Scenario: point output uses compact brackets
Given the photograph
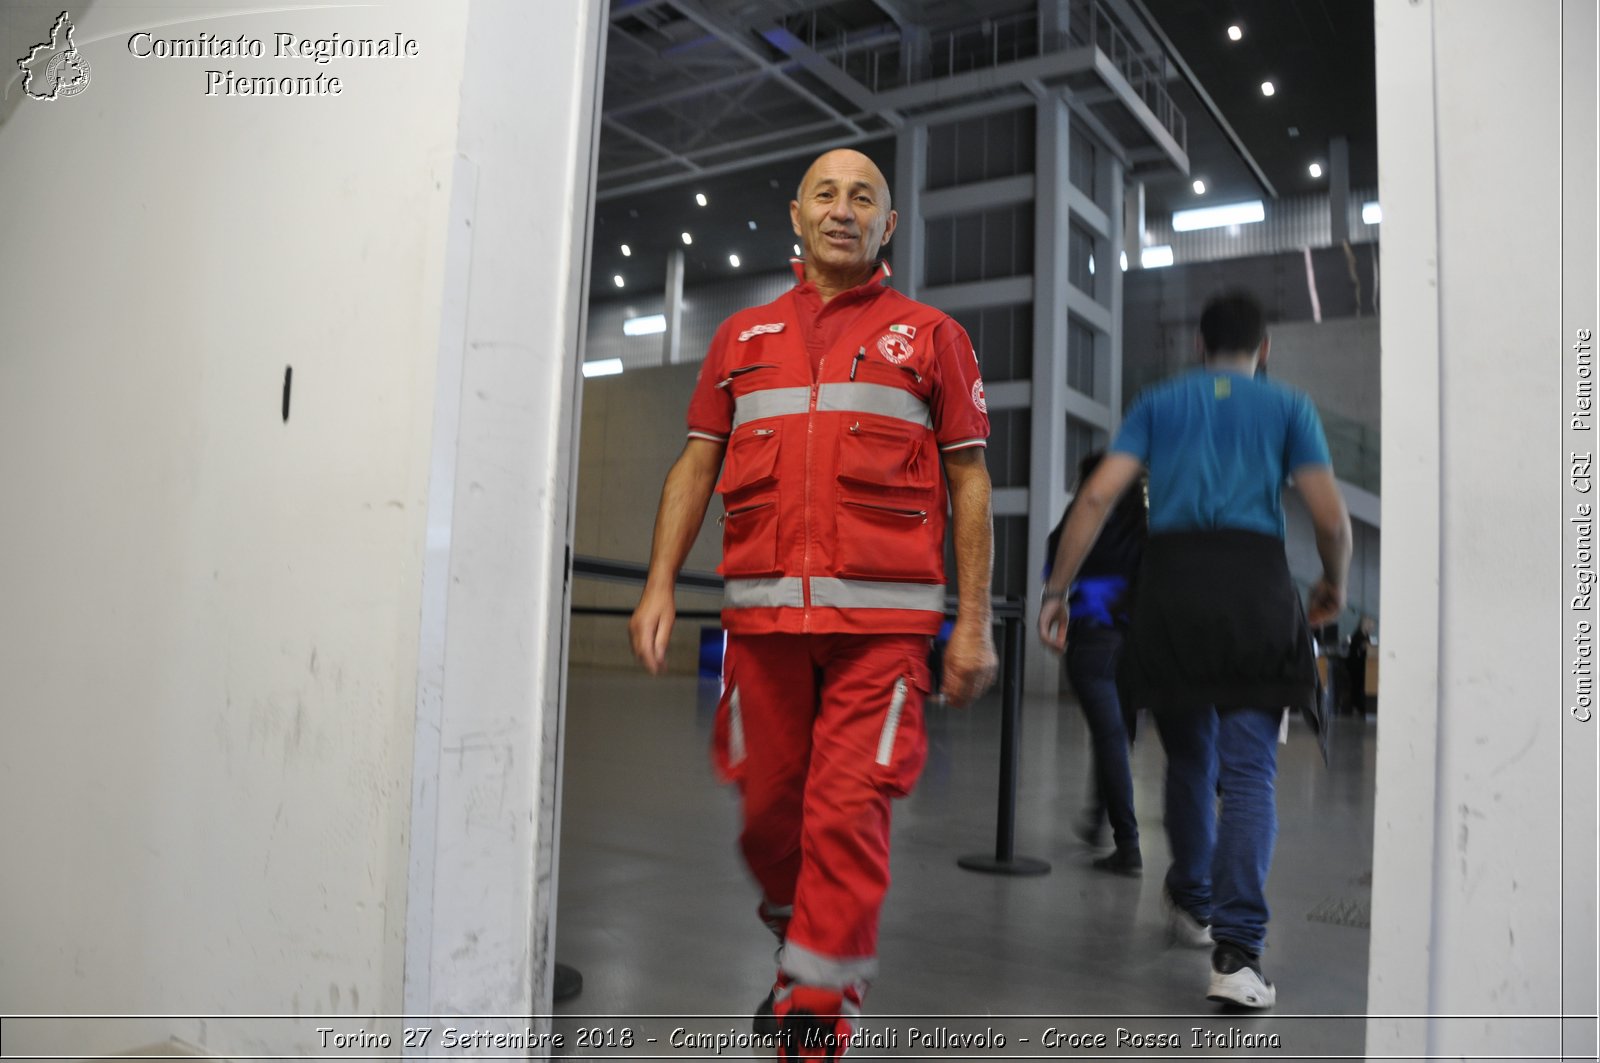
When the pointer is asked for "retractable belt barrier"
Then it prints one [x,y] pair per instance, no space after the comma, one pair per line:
[1007,612]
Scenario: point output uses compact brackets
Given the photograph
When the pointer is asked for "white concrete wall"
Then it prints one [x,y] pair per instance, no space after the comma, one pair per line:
[1466,913]
[211,616]
[485,853]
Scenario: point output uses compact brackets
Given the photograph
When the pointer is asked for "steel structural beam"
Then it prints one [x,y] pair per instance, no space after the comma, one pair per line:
[895,13]
[733,39]
[1050,396]
[667,154]
[983,195]
[976,295]
[1205,100]
[733,165]
[829,73]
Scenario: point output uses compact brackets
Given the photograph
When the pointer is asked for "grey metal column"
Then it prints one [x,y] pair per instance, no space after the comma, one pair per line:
[671,352]
[1339,190]
[1047,479]
[1133,223]
[1109,287]
[910,177]
[1055,24]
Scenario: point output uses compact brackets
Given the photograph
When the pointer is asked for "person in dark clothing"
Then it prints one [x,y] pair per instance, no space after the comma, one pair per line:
[1220,644]
[1100,597]
[1356,664]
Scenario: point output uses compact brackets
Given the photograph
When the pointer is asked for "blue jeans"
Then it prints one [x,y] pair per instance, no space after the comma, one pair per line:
[1220,859]
[1092,657]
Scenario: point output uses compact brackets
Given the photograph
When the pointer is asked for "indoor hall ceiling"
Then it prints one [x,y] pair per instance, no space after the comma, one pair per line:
[737,90]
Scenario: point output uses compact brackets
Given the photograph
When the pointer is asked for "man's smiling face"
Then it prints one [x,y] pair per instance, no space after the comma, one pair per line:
[842,216]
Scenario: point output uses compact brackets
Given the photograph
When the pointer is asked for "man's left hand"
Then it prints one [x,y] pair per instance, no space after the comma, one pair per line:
[1053,617]
[969,664]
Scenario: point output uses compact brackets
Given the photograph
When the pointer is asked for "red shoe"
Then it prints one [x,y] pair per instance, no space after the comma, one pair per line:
[815,1023]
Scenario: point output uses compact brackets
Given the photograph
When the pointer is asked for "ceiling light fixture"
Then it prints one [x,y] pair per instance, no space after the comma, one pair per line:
[1371,213]
[626,251]
[602,367]
[700,198]
[1156,257]
[1316,169]
[1268,88]
[649,325]
[617,280]
[733,260]
[1199,188]
[1235,33]
[688,239]
[1185,221]
[797,249]
[752,226]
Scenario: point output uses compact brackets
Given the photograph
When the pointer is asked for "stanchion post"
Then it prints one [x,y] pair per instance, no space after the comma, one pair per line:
[1005,861]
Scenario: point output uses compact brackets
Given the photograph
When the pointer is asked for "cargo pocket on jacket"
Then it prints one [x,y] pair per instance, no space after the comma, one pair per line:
[749,490]
[885,540]
[885,492]
[727,737]
[902,739]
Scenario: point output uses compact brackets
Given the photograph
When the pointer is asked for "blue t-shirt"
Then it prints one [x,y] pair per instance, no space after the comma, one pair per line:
[1219,446]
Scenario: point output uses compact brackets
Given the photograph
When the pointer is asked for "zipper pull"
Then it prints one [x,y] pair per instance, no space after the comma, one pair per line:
[862,353]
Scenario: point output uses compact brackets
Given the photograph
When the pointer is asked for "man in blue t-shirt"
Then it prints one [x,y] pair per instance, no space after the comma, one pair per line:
[1220,645]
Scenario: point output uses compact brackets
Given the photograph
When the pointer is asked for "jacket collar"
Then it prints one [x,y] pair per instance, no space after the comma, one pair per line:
[880,277]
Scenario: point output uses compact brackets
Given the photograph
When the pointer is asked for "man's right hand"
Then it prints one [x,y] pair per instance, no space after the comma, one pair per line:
[1325,604]
[650,629]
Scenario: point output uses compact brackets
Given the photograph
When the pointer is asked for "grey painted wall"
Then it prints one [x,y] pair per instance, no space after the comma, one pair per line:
[633,429]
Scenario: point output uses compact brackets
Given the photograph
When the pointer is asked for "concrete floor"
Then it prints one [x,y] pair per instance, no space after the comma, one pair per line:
[657,914]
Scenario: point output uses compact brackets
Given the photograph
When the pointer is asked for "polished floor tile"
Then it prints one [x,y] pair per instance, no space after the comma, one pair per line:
[657,914]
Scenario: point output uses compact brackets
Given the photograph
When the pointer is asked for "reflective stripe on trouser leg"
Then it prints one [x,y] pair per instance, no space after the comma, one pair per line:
[829,972]
[777,689]
[844,873]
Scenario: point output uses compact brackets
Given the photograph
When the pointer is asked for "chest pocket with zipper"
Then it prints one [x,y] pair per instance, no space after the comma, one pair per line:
[749,489]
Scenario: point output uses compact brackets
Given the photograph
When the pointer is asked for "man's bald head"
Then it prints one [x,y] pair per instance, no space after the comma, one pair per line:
[841,214]
[844,157]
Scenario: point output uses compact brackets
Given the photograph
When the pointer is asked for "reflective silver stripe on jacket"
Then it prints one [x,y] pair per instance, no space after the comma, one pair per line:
[764,593]
[770,402]
[830,593]
[880,399]
[827,592]
[827,972]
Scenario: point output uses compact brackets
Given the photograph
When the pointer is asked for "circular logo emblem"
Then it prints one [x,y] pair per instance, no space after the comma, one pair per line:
[67,74]
[977,396]
[895,348]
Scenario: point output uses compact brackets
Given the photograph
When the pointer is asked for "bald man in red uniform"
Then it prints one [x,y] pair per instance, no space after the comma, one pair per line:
[840,423]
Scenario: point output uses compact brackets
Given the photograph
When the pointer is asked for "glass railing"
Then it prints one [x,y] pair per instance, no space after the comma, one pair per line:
[1356,450]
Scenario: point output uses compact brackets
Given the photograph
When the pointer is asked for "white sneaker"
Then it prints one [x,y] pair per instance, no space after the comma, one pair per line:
[1185,929]
[1236,978]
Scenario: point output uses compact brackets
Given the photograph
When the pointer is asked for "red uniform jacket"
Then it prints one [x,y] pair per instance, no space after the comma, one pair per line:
[833,490]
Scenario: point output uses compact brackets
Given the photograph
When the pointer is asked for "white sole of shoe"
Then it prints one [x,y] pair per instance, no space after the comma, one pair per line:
[1243,987]
[1184,930]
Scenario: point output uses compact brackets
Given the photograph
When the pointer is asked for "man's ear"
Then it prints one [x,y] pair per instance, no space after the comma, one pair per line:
[1263,350]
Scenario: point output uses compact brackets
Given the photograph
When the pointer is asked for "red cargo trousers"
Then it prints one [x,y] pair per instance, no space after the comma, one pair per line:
[821,732]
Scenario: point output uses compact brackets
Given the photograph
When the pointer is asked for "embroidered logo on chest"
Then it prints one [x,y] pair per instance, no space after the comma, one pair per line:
[894,347]
[760,330]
